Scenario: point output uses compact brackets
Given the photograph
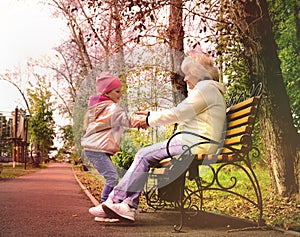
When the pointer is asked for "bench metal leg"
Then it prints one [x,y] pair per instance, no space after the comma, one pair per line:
[177,228]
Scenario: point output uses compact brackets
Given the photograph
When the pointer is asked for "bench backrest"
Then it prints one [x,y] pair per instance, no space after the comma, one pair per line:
[240,123]
[239,126]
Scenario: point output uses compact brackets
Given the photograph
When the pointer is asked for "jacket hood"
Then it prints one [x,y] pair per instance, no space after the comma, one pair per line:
[98,109]
[220,86]
[103,104]
[95,99]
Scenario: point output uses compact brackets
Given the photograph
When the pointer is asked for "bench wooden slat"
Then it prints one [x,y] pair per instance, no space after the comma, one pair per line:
[230,151]
[219,158]
[233,141]
[241,113]
[240,122]
[253,101]
[166,161]
[238,131]
[160,171]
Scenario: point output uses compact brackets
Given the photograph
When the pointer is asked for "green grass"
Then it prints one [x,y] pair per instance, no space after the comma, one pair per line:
[277,211]
[94,183]
[9,172]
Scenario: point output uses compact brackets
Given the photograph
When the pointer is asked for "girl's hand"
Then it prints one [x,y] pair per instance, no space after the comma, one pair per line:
[139,121]
[142,113]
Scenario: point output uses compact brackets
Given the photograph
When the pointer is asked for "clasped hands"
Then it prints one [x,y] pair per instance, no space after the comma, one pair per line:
[140,120]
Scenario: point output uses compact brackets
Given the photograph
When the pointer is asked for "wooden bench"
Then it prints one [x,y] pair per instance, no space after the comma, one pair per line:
[167,184]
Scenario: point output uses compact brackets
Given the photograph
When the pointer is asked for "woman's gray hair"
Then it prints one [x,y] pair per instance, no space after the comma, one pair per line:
[192,67]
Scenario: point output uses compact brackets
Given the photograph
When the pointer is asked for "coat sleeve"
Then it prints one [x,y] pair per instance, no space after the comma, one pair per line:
[119,117]
[194,104]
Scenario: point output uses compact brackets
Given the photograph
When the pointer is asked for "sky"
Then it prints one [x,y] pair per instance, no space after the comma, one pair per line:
[27,31]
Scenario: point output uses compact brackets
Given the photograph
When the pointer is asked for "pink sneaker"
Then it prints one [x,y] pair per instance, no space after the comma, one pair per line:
[119,210]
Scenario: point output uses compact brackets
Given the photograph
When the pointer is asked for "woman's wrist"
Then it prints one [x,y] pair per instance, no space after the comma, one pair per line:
[147,119]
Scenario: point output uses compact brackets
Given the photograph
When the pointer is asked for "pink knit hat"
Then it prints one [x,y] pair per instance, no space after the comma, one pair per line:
[106,82]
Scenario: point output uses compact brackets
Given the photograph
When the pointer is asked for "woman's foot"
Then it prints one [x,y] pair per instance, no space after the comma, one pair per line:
[97,211]
[106,219]
[119,211]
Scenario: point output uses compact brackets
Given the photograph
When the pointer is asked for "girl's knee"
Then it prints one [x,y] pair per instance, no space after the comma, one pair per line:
[113,181]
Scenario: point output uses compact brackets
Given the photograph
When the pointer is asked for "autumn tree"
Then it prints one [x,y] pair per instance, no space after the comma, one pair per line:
[254,53]
[286,27]
[41,122]
[19,79]
[5,135]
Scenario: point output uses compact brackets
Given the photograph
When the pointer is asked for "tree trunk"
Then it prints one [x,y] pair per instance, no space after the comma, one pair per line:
[119,52]
[280,137]
[176,36]
[119,39]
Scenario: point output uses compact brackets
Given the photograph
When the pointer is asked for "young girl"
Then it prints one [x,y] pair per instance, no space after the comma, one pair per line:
[104,126]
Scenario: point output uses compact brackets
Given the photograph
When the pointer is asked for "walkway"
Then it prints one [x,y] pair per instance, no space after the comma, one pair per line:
[50,202]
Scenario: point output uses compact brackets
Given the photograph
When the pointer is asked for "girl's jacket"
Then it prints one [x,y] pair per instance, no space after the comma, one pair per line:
[106,122]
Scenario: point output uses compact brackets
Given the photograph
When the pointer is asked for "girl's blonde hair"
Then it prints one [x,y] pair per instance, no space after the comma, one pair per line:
[86,120]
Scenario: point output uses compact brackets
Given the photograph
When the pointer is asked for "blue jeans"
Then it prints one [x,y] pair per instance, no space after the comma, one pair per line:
[130,187]
[102,162]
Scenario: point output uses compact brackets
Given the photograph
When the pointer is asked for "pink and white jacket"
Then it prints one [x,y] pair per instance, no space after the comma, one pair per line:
[106,123]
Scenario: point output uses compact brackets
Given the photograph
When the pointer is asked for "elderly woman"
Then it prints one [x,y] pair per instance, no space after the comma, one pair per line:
[202,112]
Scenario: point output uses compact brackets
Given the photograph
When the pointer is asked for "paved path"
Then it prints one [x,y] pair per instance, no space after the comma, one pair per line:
[50,202]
